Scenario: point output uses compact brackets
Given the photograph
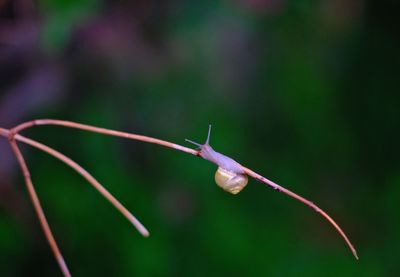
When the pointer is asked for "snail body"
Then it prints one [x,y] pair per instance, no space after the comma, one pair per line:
[230,175]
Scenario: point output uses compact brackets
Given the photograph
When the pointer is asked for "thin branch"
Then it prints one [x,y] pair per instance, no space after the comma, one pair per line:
[189,151]
[103,131]
[279,188]
[103,191]
[38,208]
[4,132]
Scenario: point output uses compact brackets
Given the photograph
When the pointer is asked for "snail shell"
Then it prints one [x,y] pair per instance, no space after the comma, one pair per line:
[230,181]
[230,174]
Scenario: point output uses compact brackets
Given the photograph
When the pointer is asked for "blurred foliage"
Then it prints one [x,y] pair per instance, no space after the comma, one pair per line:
[303,92]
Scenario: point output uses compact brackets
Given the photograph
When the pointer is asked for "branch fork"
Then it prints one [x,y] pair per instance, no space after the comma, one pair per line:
[13,136]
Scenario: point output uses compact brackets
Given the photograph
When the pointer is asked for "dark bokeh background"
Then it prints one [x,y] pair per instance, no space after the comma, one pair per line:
[304,92]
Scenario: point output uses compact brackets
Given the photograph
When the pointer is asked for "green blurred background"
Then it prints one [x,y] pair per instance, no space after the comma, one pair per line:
[304,92]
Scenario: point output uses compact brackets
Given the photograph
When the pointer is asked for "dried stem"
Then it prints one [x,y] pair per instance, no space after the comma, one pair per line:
[302,200]
[80,170]
[139,226]
[104,131]
[38,208]
[4,132]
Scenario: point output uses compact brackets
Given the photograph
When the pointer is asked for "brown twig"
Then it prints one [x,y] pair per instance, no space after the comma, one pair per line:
[139,226]
[103,131]
[279,188]
[4,132]
[37,206]
[14,135]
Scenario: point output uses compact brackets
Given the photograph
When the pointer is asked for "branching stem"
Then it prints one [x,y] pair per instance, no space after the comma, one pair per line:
[13,135]
[139,226]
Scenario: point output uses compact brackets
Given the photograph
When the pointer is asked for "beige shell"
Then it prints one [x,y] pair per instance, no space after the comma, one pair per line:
[230,181]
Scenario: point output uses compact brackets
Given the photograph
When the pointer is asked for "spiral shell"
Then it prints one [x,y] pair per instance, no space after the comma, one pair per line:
[230,181]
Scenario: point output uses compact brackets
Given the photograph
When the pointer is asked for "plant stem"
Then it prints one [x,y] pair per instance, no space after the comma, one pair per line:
[104,131]
[178,147]
[38,208]
[139,226]
[301,199]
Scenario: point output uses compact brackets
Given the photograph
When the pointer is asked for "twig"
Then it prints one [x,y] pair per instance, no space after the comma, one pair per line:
[104,131]
[139,226]
[4,132]
[113,200]
[302,200]
[38,208]
[190,151]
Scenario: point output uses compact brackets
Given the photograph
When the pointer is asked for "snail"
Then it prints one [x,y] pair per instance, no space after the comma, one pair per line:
[230,175]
